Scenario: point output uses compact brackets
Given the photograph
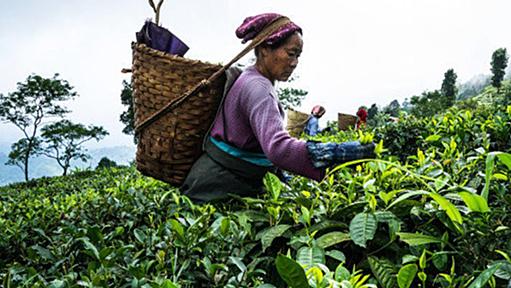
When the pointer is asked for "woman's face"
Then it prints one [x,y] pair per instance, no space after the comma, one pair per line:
[278,64]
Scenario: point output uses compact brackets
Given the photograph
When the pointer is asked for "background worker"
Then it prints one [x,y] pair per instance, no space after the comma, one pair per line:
[312,126]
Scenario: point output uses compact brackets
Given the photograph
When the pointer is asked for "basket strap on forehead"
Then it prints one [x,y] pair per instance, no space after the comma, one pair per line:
[267,31]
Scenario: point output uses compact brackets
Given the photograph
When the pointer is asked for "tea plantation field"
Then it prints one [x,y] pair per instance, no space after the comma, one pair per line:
[432,210]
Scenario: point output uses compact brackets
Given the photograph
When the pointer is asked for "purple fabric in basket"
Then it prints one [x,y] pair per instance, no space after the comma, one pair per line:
[161,39]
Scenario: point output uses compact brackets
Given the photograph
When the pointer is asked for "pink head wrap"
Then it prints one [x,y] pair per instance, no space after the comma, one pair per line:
[253,25]
[318,110]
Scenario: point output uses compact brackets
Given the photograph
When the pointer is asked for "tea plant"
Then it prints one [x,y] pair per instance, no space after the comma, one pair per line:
[432,210]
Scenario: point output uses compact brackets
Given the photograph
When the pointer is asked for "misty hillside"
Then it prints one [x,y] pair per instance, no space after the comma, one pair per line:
[44,166]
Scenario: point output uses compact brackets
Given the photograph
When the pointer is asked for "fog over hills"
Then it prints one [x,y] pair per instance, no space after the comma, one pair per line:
[44,166]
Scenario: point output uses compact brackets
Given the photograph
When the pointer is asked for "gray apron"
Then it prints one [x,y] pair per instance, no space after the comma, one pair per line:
[217,174]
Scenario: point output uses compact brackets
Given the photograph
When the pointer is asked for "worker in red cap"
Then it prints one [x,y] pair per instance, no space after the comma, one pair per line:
[361,117]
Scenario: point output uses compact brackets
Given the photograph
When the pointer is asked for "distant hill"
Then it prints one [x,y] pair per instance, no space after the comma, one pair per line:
[473,87]
[476,84]
[44,166]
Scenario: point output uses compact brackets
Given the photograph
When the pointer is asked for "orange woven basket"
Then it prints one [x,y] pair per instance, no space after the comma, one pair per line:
[345,121]
[296,122]
[168,147]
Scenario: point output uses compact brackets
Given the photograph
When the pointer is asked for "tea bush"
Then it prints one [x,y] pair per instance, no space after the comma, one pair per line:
[431,211]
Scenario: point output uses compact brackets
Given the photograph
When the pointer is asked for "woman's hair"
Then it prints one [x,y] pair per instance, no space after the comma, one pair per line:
[273,45]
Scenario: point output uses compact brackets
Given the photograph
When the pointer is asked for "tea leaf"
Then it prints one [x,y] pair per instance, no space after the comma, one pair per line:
[178,228]
[384,271]
[504,271]
[273,185]
[239,263]
[423,260]
[168,284]
[451,210]
[415,239]
[423,276]
[407,195]
[440,260]
[332,238]
[488,172]
[43,252]
[326,224]
[362,228]
[433,138]
[316,274]
[226,224]
[406,275]
[484,277]
[474,202]
[336,254]
[291,272]
[500,176]
[267,236]
[409,258]
[310,256]
[506,159]
[90,247]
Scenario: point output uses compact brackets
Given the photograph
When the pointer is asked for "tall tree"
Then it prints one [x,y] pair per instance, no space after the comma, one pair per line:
[449,89]
[34,100]
[19,151]
[63,141]
[498,66]
[128,116]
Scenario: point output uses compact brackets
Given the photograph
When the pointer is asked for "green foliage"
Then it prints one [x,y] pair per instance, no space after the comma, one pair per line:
[34,101]
[128,117]
[498,66]
[63,141]
[362,228]
[291,97]
[105,162]
[484,277]
[384,271]
[428,104]
[414,217]
[291,272]
[20,150]
[449,89]
[393,108]
[406,275]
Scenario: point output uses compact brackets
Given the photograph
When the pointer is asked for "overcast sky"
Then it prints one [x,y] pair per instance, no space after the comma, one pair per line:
[355,52]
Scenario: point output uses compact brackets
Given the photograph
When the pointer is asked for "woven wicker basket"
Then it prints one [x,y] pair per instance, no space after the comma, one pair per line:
[345,121]
[175,102]
[168,147]
[296,122]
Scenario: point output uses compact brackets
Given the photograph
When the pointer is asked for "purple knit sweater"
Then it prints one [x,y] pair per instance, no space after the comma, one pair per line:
[255,122]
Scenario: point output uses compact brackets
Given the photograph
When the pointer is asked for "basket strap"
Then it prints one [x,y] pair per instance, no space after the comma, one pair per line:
[267,31]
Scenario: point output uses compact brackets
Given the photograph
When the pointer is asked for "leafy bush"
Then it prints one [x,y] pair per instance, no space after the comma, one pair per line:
[431,211]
